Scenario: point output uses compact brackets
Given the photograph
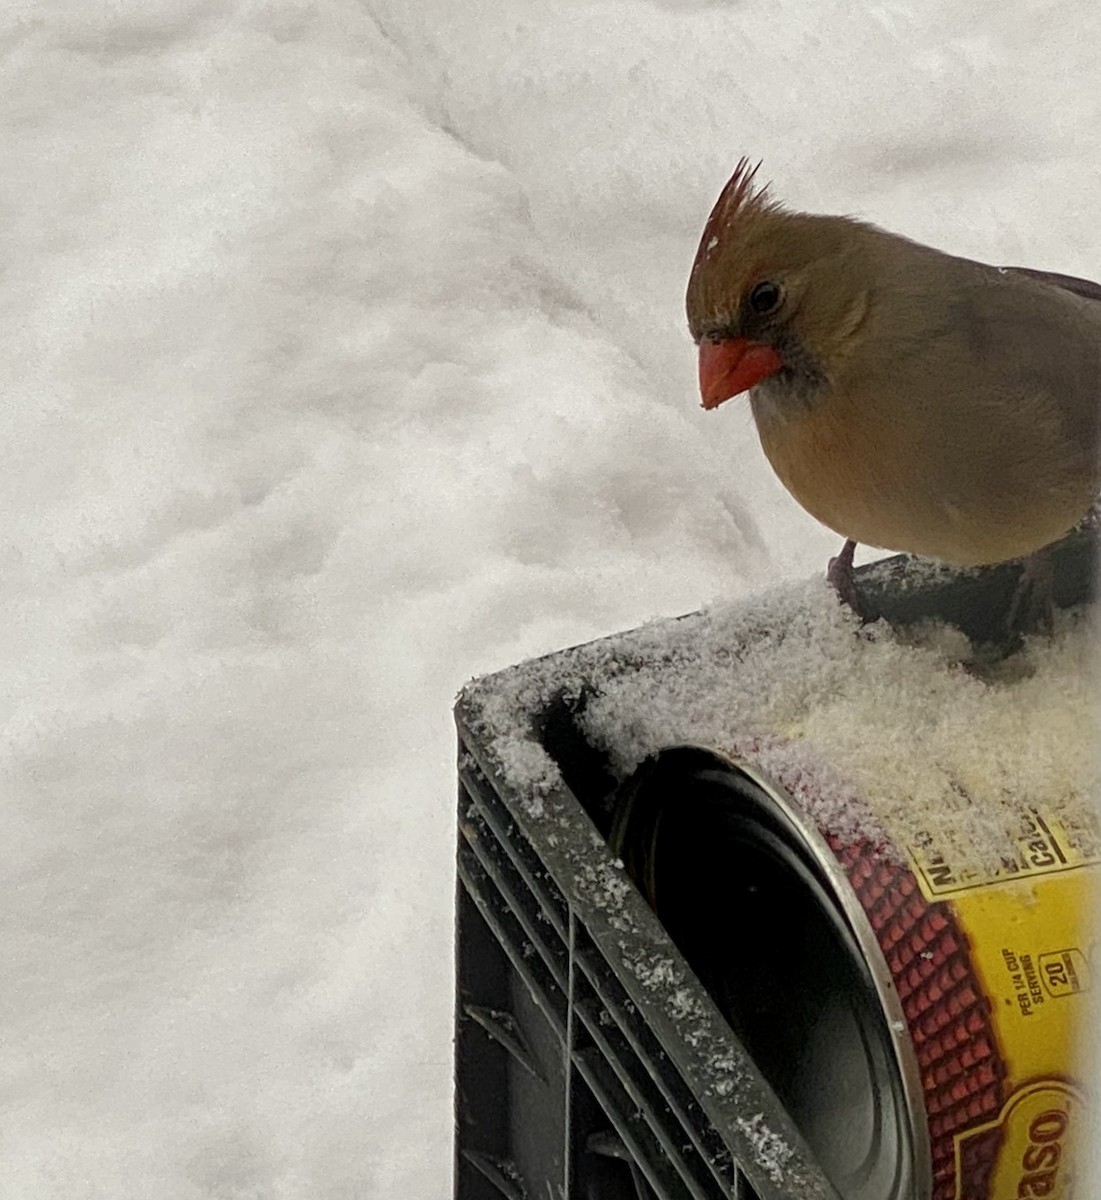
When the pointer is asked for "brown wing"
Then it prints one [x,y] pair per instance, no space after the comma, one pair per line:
[1070,283]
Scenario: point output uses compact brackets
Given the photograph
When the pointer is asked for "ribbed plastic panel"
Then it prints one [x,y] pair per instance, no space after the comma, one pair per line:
[565,1088]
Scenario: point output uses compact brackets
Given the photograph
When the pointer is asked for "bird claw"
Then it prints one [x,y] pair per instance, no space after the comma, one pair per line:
[1032,608]
[842,579]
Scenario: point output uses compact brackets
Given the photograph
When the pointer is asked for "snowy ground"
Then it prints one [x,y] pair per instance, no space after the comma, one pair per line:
[345,360]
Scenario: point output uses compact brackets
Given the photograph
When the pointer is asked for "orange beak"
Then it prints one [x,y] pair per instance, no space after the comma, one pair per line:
[733,366]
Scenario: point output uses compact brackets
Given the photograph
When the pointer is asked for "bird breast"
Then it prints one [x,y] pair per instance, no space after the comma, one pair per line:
[973,478]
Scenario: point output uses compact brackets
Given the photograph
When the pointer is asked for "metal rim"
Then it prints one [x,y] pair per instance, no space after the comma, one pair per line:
[807,840]
[898,1028]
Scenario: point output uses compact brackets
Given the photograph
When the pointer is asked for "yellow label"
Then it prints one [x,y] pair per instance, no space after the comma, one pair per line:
[1041,1126]
[1028,924]
[1030,941]
[1043,845]
[1064,972]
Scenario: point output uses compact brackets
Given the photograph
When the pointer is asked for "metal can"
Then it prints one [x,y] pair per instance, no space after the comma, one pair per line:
[917,1022]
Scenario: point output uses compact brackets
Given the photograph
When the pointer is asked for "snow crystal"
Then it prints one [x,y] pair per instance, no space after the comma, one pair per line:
[770,1149]
[512,741]
[606,887]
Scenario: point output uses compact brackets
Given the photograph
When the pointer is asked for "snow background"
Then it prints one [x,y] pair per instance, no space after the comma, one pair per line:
[345,359]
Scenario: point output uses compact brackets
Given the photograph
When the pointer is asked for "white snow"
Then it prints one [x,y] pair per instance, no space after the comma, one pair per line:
[887,735]
[883,735]
[772,1151]
[344,360]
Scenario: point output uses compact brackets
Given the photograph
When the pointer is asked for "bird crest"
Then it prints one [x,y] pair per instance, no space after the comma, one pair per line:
[740,199]
[728,232]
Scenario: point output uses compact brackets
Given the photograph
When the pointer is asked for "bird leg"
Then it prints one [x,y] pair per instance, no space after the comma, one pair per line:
[840,576]
[1032,609]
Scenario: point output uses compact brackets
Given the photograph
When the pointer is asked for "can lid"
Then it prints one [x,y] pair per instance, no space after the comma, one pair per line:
[757,915]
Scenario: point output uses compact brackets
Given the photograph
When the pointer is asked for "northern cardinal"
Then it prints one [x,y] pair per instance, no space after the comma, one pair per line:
[907,398]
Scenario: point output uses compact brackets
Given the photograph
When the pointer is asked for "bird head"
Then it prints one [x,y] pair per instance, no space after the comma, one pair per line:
[772,292]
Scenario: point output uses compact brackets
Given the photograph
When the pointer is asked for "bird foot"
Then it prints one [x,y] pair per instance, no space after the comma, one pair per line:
[1032,608]
[841,577]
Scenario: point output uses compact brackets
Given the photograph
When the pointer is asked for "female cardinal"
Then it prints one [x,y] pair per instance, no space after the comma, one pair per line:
[908,399]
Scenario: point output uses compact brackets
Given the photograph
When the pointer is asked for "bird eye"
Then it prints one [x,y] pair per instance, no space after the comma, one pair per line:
[765,297]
